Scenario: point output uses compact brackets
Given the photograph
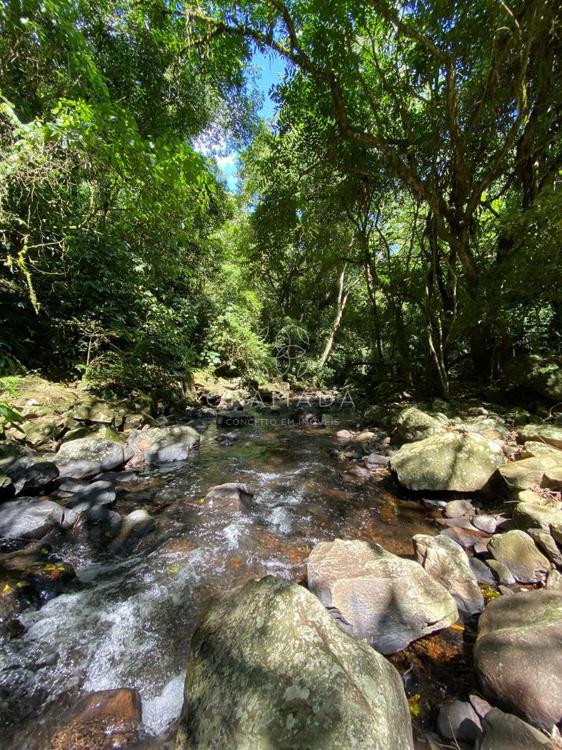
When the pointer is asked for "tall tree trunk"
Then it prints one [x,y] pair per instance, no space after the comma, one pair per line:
[370,282]
[340,307]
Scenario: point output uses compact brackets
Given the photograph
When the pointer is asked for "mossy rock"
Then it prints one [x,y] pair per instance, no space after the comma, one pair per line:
[541,433]
[451,461]
[102,432]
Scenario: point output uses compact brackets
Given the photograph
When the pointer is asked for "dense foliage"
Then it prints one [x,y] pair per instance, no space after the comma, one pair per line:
[400,218]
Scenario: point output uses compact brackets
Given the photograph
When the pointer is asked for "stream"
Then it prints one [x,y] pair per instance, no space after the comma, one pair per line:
[128,620]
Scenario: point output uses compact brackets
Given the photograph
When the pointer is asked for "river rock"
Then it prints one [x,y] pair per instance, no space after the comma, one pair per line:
[42,432]
[538,374]
[7,488]
[481,571]
[522,475]
[518,655]
[448,563]
[270,668]
[232,496]
[34,577]
[97,526]
[532,516]
[344,436]
[158,445]
[546,544]
[458,720]
[414,424]
[30,474]
[552,479]
[378,596]
[518,552]
[536,498]
[541,433]
[135,525]
[449,462]
[376,460]
[227,439]
[507,732]
[85,457]
[100,492]
[96,412]
[87,497]
[467,537]
[458,508]
[501,572]
[94,432]
[487,523]
[105,720]
[29,518]
[532,449]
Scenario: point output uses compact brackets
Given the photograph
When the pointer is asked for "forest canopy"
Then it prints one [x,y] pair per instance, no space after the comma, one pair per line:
[399,218]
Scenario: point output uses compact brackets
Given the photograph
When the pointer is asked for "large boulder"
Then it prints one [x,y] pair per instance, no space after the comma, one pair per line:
[448,563]
[452,461]
[518,654]
[85,457]
[518,552]
[270,669]
[507,732]
[541,433]
[159,445]
[414,424]
[29,518]
[378,596]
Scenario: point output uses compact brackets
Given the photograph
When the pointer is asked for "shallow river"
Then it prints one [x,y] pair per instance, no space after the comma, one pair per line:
[128,621]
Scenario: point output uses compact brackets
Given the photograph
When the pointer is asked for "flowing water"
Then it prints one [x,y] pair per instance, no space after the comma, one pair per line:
[129,619]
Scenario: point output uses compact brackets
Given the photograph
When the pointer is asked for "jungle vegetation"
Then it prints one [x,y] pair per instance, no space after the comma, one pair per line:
[400,218]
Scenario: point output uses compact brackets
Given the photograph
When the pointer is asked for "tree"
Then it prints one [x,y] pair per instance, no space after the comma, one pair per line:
[459,102]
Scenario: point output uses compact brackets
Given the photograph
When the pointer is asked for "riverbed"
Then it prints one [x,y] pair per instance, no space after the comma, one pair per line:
[128,619]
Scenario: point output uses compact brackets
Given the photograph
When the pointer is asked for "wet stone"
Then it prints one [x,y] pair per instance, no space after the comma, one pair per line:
[30,474]
[232,496]
[29,518]
[105,720]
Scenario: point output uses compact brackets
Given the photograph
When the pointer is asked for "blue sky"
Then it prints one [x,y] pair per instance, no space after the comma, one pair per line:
[269,69]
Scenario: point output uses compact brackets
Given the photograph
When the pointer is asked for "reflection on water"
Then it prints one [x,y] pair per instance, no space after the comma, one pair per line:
[130,620]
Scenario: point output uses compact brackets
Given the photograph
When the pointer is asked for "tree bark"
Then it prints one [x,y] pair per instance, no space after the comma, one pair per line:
[340,307]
